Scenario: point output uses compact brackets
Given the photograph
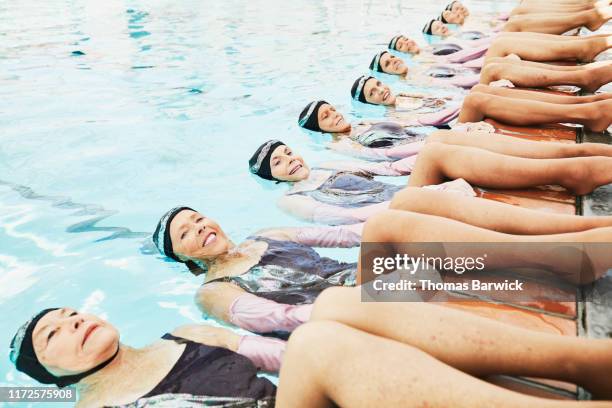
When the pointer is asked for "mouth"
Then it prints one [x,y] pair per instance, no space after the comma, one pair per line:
[210,238]
[88,332]
[386,96]
[295,169]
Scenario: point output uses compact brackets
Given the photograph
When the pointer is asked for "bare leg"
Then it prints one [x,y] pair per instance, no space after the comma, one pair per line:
[538,9]
[597,116]
[492,215]
[583,49]
[534,95]
[531,76]
[521,63]
[543,36]
[473,344]
[438,162]
[512,146]
[559,23]
[330,364]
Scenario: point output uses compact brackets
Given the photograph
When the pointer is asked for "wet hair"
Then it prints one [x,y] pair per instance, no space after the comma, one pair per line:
[357,88]
[375,64]
[309,118]
[427,28]
[23,355]
[259,163]
[393,42]
[442,19]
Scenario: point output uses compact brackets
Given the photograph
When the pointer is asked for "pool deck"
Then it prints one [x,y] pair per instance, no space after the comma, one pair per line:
[589,315]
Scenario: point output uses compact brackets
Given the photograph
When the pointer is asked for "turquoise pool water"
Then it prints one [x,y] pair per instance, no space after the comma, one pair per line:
[112,112]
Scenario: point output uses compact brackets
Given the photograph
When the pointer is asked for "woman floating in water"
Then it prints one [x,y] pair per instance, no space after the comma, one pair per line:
[408,108]
[436,75]
[371,140]
[589,77]
[527,46]
[528,74]
[515,107]
[204,365]
[344,192]
[267,283]
[524,107]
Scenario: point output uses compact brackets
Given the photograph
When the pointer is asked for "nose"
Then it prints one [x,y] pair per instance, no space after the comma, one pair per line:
[75,322]
[201,229]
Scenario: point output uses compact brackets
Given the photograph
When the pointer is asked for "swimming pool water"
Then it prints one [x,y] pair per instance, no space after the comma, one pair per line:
[112,112]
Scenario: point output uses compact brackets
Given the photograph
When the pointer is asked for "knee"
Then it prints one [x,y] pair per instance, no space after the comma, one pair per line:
[377,226]
[438,136]
[481,88]
[431,150]
[511,25]
[307,343]
[474,101]
[331,300]
[411,199]
[493,71]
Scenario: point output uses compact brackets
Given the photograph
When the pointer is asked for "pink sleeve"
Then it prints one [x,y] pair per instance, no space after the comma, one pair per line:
[404,150]
[265,352]
[345,236]
[468,54]
[261,315]
[466,81]
[439,118]
[475,63]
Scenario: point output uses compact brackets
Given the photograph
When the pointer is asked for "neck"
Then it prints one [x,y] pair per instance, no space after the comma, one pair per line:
[116,371]
[215,265]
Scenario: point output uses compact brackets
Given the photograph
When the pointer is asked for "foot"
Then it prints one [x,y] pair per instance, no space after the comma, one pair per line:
[588,174]
[601,15]
[599,75]
[603,118]
[595,376]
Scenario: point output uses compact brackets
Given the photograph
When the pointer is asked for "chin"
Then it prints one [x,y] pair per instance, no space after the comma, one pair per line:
[303,174]
[391,101]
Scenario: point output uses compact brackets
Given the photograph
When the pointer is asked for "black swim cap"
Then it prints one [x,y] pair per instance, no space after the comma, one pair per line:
[375,64]
[393,42]
[24,357]
[427,27]
[450,5]
[259,163]
[309,118]
[161,236]
[357,88]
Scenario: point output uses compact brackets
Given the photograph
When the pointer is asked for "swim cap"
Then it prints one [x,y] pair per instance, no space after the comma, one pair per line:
[259,163]
[357,88]
[24,357]
[442,19]
[309,118]
[393,42]
[161,236]
[450,5]
[375,64]
[427,27]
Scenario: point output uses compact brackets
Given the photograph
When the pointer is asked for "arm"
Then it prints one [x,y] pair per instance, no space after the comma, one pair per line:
[265,353]
[345,236]
[308,209]
[400,167]
[232,304]
[349,147]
